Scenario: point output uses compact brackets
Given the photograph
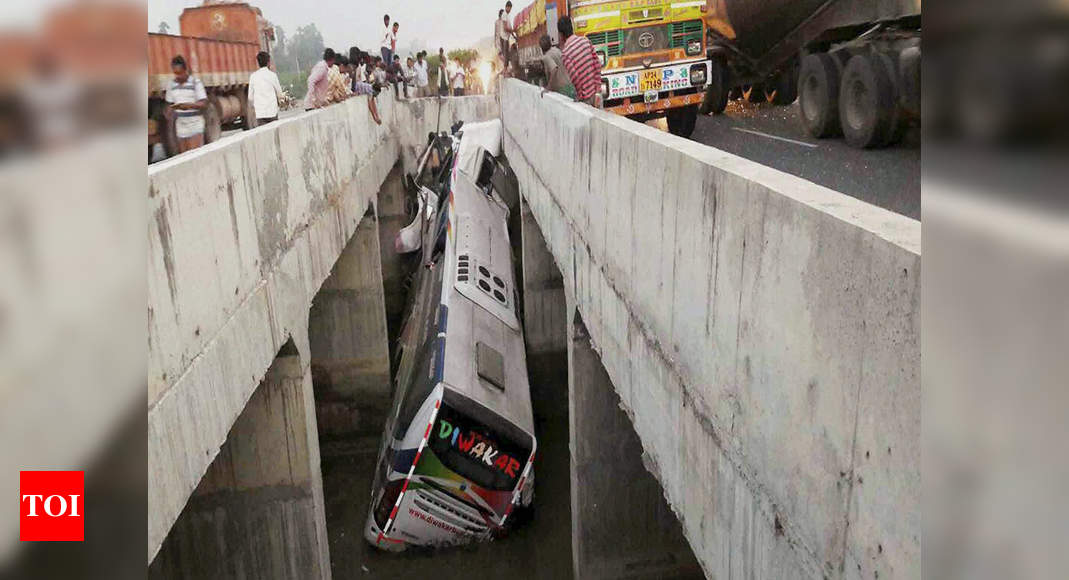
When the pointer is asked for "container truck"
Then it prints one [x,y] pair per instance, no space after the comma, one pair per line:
[853,65]
[219,40]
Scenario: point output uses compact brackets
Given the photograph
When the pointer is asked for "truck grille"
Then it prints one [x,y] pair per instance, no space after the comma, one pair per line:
[646,39]
[608,41]
[684,32]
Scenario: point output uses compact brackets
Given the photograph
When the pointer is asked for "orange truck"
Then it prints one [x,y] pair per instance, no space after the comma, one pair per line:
[219,41]
[652,52]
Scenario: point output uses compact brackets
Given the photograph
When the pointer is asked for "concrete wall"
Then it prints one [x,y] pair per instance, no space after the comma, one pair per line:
[762,333]
[258,512]
[347,333]
[242,234]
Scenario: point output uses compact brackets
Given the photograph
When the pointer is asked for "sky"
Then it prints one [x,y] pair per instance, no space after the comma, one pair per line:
[345,23]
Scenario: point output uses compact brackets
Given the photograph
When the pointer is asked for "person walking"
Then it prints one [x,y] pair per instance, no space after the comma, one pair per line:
[388,42]
[264,90]
[443,73]
[581,62]
[422,82]
[557,78]
[186,101]
[318,81]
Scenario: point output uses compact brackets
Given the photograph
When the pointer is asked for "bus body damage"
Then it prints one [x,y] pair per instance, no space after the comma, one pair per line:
[457,454]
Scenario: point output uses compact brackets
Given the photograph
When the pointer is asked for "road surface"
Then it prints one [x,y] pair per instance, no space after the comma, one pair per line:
[771,135]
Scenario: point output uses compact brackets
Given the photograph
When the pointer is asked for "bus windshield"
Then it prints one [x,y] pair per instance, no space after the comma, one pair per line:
[483,455]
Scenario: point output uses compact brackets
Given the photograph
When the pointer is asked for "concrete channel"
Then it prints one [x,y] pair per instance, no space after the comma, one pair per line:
[720,429]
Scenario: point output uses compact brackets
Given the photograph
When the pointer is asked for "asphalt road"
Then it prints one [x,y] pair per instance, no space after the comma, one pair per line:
[772,135]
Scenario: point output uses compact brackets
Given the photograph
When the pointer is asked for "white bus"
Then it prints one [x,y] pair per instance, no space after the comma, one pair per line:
[457,453]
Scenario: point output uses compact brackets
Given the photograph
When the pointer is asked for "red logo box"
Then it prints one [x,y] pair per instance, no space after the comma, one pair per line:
[51,506]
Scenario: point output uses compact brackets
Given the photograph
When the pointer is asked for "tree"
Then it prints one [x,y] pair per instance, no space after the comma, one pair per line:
[306,47]
[464,56]
[164,27]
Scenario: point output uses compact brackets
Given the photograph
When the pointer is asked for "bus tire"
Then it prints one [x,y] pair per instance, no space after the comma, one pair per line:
[716,94]
[867,103]
[681,121]
[818,95]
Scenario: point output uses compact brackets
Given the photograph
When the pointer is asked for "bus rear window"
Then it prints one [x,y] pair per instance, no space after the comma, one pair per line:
[483,455]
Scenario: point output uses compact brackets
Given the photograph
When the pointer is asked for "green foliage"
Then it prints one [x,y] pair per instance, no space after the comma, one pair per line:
[464,56]
[294,83]
[298,53]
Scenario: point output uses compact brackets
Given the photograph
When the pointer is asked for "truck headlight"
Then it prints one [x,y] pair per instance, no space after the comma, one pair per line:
[601,58]
[694,47]
[697,74]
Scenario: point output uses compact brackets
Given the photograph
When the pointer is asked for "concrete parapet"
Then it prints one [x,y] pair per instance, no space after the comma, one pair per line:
[761,331]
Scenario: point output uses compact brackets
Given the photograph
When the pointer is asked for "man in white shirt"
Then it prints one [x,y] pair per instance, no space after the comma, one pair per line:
[458,75]
[423,88]
[264,90]
[389,37]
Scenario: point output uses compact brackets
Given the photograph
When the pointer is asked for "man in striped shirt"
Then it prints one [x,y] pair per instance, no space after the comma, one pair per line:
[581,62]
[186,102]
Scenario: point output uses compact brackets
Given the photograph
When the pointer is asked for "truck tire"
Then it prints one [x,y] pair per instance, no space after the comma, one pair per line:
[716,94]
[782,88]
[754,93]
[818,95]
[681,121]
[248,115]
[867,102]
[213,126]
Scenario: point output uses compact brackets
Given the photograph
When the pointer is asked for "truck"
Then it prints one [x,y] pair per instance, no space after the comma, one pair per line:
[219,40]
[652,53]
[853,65]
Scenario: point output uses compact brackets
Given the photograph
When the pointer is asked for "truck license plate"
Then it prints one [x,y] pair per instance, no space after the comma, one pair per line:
[650,80]
[649,96]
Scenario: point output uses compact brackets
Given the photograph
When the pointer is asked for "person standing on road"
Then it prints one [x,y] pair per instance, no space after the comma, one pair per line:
[264,90]
[422,82]
[186,102]
[557,78]
[581,62]
[443,73]
[317,81]
[458,80]
[389,40]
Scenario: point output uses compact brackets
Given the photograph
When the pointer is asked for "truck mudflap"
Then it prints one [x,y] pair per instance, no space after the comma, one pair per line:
[659,105]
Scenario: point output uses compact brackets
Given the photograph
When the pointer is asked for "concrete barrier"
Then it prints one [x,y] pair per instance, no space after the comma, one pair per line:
[762,333]
[242,234]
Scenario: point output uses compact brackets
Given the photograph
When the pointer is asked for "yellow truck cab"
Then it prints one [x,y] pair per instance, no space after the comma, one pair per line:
[652,54]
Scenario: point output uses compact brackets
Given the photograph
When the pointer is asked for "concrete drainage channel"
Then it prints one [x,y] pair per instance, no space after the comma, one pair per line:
[539,547]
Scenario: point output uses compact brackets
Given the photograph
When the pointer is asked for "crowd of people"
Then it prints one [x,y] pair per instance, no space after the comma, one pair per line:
[572,69]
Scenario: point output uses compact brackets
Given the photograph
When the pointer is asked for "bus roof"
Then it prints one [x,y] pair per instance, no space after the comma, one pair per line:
[484,357]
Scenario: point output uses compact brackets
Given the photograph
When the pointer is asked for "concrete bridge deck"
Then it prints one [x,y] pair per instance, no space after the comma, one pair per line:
[760,333]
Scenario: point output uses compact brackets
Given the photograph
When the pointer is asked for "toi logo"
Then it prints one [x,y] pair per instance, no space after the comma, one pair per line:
[51,506]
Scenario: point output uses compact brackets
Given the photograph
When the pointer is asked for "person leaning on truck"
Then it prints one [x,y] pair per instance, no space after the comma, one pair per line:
[557,79]
[264,90]
[186,100]
[581,62]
